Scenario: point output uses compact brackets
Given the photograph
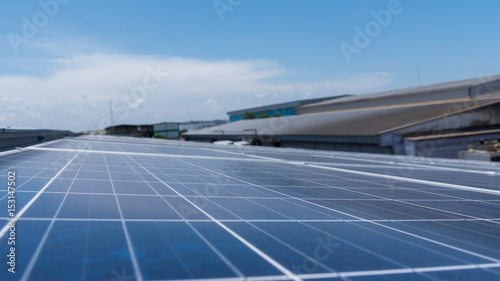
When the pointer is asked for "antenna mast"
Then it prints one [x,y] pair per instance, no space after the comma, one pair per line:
[111,113]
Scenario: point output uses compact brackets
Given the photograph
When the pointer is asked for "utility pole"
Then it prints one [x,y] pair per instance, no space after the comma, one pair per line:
[111,113]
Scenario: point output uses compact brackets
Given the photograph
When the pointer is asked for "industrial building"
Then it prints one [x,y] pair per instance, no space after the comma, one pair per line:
[130,130]
[168,130]
[449,91]
[197,125]
[283,109]
[434,121]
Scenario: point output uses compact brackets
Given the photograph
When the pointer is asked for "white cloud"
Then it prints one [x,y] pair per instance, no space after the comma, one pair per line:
[213,105]
[75,94]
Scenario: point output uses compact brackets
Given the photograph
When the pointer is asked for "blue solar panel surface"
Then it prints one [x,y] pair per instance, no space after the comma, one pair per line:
[109,208]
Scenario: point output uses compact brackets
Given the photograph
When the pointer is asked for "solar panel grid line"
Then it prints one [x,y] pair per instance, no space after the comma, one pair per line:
[493,167]
[409,203]
[222,257]
[251,278]
[144,154]
[420,166]
[442,244]
[294,249]
[202,196]
[364,249]
[158,194]
[212,202]
[266,278]
[36,254]
[272,178]
[405,163]
[217,252]
[254,220]
[385,176]
[390,177]
[432,162]
[241,239]
[12,155]
[402,242]
[371,273]
[17,166]
[236,215]
[25,208]
[40,155]
[471,231]
[48,143]
[481,219]
[10,152]
[133,257]
[422,191]
[353,189]
[248,199]
[117,139]
[401,231]
[374,273]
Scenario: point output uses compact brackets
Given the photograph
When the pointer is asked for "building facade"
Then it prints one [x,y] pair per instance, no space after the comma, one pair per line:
[168,130]
[283,109]
[198,125]
[127,130]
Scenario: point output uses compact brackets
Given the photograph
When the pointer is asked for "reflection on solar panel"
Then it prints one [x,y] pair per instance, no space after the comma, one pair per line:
[127,209]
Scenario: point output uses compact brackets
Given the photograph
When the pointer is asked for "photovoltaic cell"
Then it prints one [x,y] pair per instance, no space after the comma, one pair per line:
[110,208]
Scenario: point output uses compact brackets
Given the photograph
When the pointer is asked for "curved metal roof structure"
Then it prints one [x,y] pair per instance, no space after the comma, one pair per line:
[360,122]
[468,88]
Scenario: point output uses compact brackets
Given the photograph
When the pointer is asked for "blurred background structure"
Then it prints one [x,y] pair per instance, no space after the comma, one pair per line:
[437,120]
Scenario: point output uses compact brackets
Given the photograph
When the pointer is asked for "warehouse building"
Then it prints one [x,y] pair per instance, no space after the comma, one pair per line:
[449,91]
[394,122]
[168,130]
[127,130]
[197,125]
[282,109]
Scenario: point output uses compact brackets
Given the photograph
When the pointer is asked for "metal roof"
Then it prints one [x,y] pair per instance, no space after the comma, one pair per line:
[453,135]
[204,121]
[362,122]
[282,105]
[127,125]
[488,81]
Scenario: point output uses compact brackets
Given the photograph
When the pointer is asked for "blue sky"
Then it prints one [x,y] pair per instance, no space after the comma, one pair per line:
[82,54]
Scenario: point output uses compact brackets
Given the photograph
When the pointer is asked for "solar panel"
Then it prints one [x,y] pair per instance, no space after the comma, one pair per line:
[110,208]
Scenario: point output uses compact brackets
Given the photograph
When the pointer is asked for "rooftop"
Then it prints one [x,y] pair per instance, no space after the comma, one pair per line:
[359,122]
[282,105]
[477,84]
